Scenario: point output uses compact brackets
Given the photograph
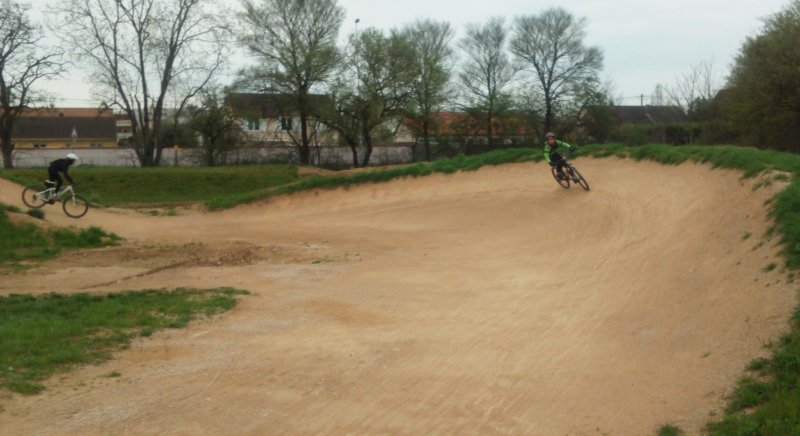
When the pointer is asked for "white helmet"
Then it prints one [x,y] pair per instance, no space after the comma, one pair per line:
[72,156]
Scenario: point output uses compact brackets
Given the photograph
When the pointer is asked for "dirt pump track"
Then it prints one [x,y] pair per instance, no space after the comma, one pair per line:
[485,302]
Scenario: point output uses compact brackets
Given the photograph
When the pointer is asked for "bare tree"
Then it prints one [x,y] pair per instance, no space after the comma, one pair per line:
[295,41]
[139,51]
[487,70]
[432,63]
[551,45]
[23,61]
[700,84]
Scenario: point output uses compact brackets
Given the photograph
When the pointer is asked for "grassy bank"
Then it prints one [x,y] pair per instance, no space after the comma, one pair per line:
[158,186]
[27,241]
[43,335]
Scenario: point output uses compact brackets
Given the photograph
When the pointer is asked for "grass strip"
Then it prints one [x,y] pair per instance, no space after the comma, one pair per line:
[43,335]
[27,241]
[162,185]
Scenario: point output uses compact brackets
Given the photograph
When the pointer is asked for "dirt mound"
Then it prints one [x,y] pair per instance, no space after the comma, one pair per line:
[484,302]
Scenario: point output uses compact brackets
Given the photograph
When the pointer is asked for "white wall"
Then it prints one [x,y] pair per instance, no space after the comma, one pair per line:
[126,157]
[41,157]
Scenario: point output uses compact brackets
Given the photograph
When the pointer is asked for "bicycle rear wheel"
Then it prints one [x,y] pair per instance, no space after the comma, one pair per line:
[75,206]
[579,179]
[561,177]
[31,197]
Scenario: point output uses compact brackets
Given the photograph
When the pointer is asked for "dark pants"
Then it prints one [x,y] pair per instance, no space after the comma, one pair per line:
[558,160]
[53,176]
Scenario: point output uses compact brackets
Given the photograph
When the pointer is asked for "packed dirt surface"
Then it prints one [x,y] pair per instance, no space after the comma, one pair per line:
[486,302]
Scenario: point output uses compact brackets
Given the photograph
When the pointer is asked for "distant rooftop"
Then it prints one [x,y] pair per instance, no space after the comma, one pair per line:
[649,114]
[68,112]
[272,105]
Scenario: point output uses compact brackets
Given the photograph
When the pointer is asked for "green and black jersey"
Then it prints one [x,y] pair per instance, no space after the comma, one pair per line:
[554,149]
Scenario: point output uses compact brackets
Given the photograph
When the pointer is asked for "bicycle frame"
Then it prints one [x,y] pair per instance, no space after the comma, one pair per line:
[49,193]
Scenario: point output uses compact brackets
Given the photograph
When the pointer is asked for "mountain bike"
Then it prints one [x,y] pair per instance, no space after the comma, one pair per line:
[569,174]
[36,196]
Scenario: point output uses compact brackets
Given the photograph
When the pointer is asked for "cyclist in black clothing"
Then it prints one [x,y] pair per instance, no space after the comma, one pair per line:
[60,166]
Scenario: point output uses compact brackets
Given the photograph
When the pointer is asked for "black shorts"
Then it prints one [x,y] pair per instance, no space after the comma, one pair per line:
[557,159]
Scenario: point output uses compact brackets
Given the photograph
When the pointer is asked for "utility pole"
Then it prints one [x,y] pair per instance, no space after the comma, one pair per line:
[359,137]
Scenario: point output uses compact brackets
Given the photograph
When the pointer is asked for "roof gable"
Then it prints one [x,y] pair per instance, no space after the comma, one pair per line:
[464,123]
[86,112]
[649,114]
[39,127]
[272,105]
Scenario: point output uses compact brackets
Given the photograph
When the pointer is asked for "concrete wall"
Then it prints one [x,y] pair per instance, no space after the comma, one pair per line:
[126,157]
[41,157]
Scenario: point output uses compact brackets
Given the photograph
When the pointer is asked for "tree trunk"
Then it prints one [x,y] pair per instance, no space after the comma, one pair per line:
[489,136]
[426,140]
[8,148]
[367,149]
[305,150]
[146,155]
[548,114]
[8,151]
[354,150]
[158,150]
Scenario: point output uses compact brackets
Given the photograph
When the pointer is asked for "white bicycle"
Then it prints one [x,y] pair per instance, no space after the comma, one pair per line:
[36,196]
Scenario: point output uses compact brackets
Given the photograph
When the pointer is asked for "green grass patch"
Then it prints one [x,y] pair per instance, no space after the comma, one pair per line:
[36,213]
[27,241]
[163,185]
[769,404]
[43,335]
[669,430]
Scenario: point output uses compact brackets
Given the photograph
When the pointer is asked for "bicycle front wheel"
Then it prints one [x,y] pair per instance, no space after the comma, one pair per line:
[580,180]
[75,206]
[33,195]
[560,177]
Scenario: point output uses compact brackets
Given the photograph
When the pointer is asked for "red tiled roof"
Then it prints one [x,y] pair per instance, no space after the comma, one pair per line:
[87,112]
[460,123]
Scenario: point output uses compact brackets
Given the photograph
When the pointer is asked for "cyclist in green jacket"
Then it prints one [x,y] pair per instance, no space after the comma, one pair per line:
[551,154]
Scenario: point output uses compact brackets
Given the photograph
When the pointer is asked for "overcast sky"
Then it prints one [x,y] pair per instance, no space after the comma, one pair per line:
[644,42]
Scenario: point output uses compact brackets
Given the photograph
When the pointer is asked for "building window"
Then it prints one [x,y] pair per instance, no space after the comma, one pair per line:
[286,123]
[254,124]
[39,145]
